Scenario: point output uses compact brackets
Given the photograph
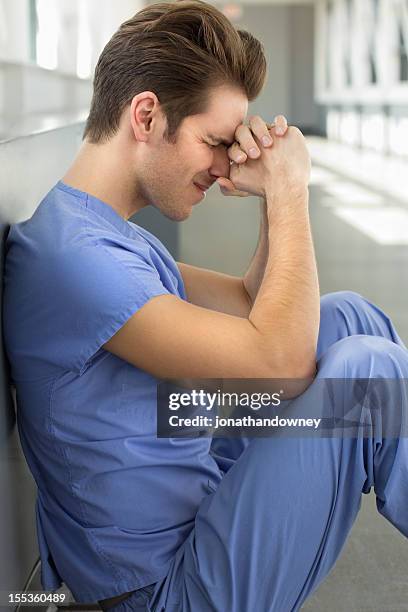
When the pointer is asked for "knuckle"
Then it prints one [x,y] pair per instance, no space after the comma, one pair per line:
[258,124]
[240,131]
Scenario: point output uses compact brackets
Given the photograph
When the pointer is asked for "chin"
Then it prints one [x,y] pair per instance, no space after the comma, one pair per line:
[176,214]
[181,215]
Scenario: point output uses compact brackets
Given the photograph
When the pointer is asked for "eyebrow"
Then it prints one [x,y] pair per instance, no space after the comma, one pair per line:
[223,141]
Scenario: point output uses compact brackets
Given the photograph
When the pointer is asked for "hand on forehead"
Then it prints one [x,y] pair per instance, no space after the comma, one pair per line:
[246,144]
[248,139]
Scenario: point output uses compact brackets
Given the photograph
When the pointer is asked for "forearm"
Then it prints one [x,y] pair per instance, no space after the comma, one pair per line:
[215,291]
[254,275]
[287,307]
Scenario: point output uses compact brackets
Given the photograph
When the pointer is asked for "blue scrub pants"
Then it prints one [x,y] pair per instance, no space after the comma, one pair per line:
[275,526]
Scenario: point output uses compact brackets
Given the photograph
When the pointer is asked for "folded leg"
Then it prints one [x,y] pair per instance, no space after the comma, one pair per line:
[342,314]
[273,529]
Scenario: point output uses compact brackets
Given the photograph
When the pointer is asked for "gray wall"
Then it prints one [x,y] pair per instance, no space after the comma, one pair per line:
[287,33]
[304,111]
[28,168]
[271,26]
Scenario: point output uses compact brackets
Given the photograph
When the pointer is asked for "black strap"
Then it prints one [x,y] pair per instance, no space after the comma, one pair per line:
[106,604]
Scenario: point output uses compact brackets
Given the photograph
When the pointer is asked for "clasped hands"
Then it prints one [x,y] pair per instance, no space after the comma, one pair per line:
[246,147]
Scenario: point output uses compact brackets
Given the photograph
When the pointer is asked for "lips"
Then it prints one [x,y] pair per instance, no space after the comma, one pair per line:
[202,187]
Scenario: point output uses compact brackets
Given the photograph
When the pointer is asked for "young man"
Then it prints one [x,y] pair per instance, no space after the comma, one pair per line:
[97,312]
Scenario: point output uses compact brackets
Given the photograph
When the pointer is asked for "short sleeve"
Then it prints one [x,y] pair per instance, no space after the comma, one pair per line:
[98,290]
[74,274]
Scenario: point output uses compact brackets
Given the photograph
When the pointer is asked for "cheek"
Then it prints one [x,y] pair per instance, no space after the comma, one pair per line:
[181,166]
[203,159]
[202,154]
[222,160]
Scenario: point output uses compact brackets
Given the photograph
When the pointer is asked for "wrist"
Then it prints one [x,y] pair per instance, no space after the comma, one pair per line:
[286,196]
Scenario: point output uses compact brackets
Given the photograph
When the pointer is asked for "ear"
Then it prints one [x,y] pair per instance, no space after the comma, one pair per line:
[144,111]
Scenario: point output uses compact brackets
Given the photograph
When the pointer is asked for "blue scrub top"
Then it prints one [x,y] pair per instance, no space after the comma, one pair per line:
[114,502]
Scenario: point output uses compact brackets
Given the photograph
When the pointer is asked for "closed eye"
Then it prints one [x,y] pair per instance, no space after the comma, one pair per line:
[220,144]
[224,141]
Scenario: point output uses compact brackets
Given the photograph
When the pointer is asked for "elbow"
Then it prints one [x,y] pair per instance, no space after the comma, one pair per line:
[295,375]
[304,368]
[282,358]
[294,366]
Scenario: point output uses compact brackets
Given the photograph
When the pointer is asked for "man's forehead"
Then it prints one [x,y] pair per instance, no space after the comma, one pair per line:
[226,111]
[222,130]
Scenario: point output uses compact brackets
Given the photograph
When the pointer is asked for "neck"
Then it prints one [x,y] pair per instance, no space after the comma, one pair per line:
[102,170]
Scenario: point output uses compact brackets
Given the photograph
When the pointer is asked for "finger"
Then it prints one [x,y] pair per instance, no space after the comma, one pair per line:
[228,188]
[236,154]
[246,141]
[224,182]
[260,129]
[281,125]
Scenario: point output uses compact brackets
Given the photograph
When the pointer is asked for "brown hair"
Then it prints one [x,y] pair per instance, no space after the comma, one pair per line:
[179,51]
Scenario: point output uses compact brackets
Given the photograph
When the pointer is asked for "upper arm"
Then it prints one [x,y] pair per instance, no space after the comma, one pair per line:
[214,290]
[171,338]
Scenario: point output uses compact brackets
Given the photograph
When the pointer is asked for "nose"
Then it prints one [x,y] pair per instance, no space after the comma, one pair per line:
[221,164]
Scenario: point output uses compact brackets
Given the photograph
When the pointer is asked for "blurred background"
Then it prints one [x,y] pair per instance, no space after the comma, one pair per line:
[338,69]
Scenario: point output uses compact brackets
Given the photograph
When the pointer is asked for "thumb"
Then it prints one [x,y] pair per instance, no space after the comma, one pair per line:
[225,184]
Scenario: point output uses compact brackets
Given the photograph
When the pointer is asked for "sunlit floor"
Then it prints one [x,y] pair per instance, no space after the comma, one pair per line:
[386,174]
[356,252]
[359,252]
[361,242]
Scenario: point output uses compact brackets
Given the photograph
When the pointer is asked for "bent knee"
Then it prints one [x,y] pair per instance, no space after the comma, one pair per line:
[362,356]
[338,298]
